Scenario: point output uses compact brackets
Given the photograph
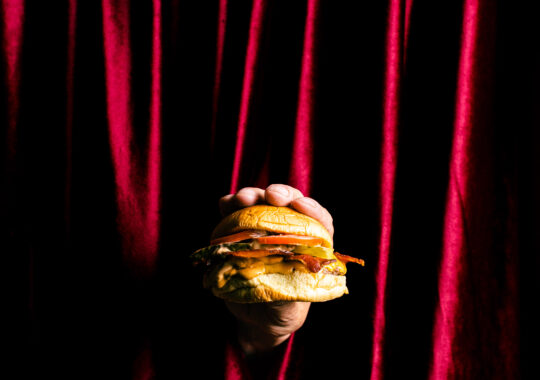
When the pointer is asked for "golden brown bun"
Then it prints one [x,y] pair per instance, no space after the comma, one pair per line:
[282,220]
[296,286]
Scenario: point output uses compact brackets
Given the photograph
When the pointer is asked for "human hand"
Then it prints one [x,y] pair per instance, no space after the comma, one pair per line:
[262,326]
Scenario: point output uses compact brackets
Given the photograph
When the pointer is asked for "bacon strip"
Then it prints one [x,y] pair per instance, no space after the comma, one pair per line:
[312,263]
[348,259]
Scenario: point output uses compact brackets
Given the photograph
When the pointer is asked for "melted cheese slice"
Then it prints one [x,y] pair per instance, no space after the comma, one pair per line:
[249,268]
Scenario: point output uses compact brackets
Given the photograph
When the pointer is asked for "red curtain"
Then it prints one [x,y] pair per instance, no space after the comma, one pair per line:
[415,123]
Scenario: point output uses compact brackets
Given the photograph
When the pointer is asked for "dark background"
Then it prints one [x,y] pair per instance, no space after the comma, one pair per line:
[87,314]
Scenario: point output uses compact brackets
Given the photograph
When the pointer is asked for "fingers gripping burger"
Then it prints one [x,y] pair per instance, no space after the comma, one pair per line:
[266,253]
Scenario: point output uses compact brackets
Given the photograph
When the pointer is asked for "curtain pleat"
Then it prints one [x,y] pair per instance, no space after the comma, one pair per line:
[250,66]
[301,160]
[469,256]
[220,44]
[137,168]
[70,67]
[396,47]
[12,49]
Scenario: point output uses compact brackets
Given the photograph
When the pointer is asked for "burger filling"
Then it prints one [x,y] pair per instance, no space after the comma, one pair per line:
[251,253]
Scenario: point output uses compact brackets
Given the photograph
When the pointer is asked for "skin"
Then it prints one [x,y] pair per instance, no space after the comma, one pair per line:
[263,326]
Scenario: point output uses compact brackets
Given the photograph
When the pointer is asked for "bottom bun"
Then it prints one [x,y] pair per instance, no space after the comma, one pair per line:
[296,286]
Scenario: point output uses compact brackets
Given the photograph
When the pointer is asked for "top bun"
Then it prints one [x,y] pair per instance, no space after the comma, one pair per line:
[283,220]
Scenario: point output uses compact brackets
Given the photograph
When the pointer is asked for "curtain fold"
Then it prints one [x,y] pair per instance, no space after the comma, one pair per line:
[252,56]
[12,47]
[468,250]
[301,159]
[414,123]
[137,173]
[396,41]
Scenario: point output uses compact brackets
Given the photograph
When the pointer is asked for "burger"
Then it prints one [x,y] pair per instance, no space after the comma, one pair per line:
[266,253]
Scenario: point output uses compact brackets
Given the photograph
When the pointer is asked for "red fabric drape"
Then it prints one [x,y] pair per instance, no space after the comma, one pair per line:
[137,183]
[396,40]
[414,123]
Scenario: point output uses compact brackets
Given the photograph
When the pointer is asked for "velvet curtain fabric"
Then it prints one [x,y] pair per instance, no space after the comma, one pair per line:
[415,123]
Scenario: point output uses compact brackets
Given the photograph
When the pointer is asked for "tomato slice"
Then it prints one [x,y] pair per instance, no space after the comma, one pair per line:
[259,253]
[289,239]
[234,238]
[262,238]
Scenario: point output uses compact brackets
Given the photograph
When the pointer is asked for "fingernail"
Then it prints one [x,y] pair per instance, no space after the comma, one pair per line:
[247,193]
[280,189]
[308,202]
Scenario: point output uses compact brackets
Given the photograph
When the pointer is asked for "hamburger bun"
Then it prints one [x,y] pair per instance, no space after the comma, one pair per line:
[296,286]
[283,220]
